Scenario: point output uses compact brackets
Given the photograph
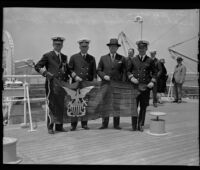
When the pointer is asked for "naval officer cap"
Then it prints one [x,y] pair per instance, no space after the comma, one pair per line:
[142,43]
[59,39]
[84,42]
[153,52]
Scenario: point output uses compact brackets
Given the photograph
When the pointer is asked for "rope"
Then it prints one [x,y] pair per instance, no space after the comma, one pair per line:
[174,55]
[48,101]
[159,38]
[184,41]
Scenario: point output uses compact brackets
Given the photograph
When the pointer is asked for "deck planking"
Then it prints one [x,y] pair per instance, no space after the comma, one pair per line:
[115,147]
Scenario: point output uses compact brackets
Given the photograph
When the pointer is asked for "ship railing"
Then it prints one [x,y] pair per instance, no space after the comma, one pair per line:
[11,93]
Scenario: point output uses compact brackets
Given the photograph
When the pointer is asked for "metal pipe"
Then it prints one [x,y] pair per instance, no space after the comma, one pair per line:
[22,76]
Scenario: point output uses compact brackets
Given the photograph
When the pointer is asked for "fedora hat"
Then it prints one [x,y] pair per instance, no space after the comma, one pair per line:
[113,41]
[179,59]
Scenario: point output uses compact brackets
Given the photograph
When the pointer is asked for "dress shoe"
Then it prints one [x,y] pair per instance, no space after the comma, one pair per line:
[50,131]
[175,101]
[61,130]
[103,127]
[179,101]
[118,127]
[134,128]
[155,105]
[86,127]
[140,128]
[73,129]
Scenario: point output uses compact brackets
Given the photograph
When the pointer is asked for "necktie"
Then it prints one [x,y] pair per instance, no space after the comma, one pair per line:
[113,57]
[59,58]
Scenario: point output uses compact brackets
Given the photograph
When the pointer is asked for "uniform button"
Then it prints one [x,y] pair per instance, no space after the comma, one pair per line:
[81,73]
[86,73]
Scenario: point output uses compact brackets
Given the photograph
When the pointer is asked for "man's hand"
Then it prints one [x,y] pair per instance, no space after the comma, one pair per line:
[150,85]
[106,78]
[77,78]
[49,76]
[134,80]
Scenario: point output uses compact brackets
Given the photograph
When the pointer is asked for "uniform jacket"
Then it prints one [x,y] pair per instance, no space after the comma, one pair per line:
[116,69]
[179,73]
[144,71]
[53,65]
[56,96]
[158,67]
[84,68]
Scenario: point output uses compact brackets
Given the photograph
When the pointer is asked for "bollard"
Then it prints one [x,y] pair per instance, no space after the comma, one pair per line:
[157,126]
[9,151]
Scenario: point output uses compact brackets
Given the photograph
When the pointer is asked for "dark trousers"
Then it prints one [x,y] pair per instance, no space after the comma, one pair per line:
[142,101]
[105,121]
[74,124]
[154,92]
[51,125]
[178,91]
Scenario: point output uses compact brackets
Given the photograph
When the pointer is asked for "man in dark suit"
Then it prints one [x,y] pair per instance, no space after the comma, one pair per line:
[131,53]
[83,66]
[54,65]
[112,67]
[158,69]
[141,72]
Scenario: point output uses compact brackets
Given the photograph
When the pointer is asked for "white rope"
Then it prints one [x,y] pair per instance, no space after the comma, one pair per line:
[48,101]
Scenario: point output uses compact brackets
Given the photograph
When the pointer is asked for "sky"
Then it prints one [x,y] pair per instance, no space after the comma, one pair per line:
[32,29]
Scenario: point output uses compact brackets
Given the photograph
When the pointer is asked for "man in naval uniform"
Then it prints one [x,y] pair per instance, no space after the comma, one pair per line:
[52,65]
[83,66]
[112,67]
[141,72]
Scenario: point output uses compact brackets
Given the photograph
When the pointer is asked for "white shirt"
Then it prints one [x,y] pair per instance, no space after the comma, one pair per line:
[142,57]
[58,54]
[83,54]
[111,55]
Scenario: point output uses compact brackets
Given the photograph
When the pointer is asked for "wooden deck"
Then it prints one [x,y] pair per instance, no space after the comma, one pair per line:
[116,147]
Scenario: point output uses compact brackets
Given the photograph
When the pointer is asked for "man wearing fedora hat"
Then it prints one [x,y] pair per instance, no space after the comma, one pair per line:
[54,65]
[178,80]
[141,72]
[111,67]
[83,66]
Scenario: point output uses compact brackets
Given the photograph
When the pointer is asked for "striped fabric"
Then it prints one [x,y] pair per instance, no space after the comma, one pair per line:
[104,99]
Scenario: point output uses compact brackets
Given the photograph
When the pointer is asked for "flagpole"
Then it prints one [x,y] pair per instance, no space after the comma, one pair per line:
[139,19]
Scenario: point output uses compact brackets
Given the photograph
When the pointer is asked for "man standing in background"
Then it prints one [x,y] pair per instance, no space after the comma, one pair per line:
[178,80]
[158,73]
